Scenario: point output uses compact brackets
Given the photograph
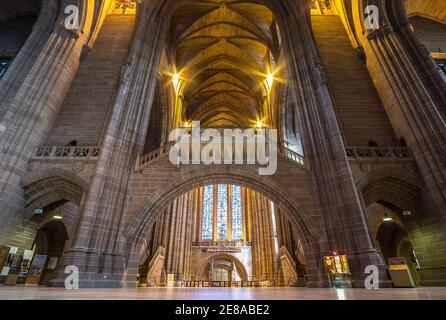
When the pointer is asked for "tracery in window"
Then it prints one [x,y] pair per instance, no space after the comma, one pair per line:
[222,212]
[236,211]
[208,212]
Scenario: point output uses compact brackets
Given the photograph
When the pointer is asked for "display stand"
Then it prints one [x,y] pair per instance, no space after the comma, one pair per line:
[10,271]
[400,273]
[338,271]
[37,267]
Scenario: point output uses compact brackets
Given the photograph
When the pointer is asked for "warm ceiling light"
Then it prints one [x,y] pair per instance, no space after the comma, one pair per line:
[259,124]
[386,217]
[57,217]
[176,81]
[187,124]
[270,80]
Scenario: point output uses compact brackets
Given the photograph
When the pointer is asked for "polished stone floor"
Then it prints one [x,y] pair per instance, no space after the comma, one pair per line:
[23,293]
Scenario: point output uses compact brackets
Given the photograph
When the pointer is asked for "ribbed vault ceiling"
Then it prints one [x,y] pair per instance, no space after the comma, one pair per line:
[223,52]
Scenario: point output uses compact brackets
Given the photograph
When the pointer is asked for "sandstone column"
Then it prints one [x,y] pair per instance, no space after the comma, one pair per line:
[417,112]
[344,218]
[31,104]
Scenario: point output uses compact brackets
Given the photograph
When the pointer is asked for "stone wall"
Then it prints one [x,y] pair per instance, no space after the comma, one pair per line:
[360,113]
[83,116]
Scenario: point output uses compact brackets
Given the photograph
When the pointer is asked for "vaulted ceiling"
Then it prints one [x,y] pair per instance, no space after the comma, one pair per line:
[223,52]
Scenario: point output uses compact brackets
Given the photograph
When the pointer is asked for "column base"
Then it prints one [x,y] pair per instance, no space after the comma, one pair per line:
[96,270]
[360,260]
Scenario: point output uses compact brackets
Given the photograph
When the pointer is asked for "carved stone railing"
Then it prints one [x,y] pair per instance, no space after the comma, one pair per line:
[210,243]
[294,156]
[68,153]
[379,153]
[143,161]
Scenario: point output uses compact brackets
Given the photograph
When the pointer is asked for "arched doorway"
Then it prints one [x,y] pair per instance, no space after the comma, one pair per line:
[53,198]
[392,200]
[222,267]
[48,247]
[394,241]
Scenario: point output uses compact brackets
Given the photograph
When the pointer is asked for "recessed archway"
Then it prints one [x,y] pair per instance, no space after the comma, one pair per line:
[48,247]
[241,270]
[139,227]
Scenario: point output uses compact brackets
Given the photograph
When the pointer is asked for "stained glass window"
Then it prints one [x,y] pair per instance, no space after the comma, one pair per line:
[4,62]
[226,209]
[442,65]
[222,212]
[208,210]
[236,213]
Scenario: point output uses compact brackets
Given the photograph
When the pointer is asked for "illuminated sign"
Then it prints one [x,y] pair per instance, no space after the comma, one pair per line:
[336,264]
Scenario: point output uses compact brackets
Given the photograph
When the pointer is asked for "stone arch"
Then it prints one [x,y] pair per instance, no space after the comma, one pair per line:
[50,240]
[429,9]
[56,235]
[138,228]
[395,186]
[238,263]
[47,187]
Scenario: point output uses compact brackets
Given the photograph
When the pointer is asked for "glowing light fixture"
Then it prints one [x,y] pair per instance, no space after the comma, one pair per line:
[270,80]
[259,124]
[187,124]
[386,217]
[57,217]
[176,81]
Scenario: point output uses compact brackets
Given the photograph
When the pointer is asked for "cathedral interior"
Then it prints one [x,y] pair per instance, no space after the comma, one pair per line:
[86,116]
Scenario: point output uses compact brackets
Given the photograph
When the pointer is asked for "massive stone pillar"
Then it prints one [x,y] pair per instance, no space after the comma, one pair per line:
[99,246]
[264,256]
[413,93]
[344,217]
[31,98]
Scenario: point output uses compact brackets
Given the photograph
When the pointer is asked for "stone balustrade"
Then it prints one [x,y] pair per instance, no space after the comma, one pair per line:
[144,160]
[71,152]
[379,154]
[227,244]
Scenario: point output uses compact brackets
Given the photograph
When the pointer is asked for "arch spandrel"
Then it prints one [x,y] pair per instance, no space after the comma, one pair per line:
[181,182]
